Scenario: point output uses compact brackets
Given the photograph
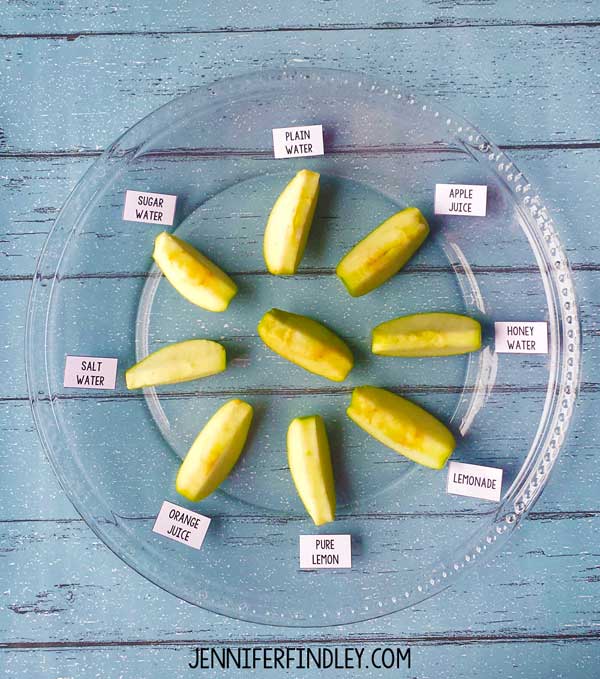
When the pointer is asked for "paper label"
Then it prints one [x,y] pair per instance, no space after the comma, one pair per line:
[90,372]
[521,337]
[296,142]
[325,551]
[182,525]
[461,199]
[151,208]
[473,480]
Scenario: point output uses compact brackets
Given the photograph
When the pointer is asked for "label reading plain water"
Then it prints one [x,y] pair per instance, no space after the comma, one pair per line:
[297,142]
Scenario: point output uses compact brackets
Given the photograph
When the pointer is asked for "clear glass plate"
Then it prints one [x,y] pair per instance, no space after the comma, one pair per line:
[96,293]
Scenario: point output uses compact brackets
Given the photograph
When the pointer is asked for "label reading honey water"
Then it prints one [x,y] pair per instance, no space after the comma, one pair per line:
[521,337]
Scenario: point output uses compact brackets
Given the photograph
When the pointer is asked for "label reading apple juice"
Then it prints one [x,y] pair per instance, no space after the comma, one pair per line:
[325,551]
[521,337]
[296,142]
[90,372]
[182,525]
[473,480]
[151,208]
[460,199]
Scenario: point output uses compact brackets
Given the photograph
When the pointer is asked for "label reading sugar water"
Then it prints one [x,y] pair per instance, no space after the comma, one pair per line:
[473,480]
[151,208]
[296,142]
[325,551]
[182,525]
[461,199]
[90,372]
[521,337]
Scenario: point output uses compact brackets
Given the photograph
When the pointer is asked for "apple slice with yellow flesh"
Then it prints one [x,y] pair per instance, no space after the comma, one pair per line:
[215,451]
[383,252]
[289,223]
[192,274]
[428,334]
[179,362]
[310,465]
[402,426]
[306,343]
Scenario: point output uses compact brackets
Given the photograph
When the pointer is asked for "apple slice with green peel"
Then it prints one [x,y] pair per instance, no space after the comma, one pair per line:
[383,252]
[179,362]
[428,334]
[192,274]
[289,223]
[402,426]
[215,451]
[306,343]
[310,465]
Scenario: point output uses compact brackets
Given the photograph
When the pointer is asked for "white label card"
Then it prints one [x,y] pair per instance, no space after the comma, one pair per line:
[151,208]
[521,337]
[473,480]
[325,551]
[90,372]
[181,525]
[461,199]
[297,142]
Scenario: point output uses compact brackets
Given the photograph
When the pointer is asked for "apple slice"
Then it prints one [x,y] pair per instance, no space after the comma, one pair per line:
[402,426]
[310,465]
[289,223]
[306,343]
[215,450]
[192,274]
[179,362]
[430,334]
[383,252]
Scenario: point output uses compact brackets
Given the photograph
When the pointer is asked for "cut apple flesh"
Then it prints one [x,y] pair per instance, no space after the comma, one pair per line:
[383,252]
[432,334]
[306,343]
[215,451]
[179,362]
[310,465]
[192,274]
[289,223]
[402,426]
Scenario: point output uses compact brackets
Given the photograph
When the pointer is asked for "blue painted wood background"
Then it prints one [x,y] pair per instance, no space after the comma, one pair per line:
[73,76]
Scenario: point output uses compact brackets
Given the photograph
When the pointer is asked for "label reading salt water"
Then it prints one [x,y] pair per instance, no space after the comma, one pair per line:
[181,525]
[90,372]
[521,337]
[296,142]
[461,199]
[473,480]
[151,208]
[325,551]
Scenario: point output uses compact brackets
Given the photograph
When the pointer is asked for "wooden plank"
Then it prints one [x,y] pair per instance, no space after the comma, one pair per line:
[240,336]
[139,16]
[32,191]
[535,658]
[490,88]
[545,581]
